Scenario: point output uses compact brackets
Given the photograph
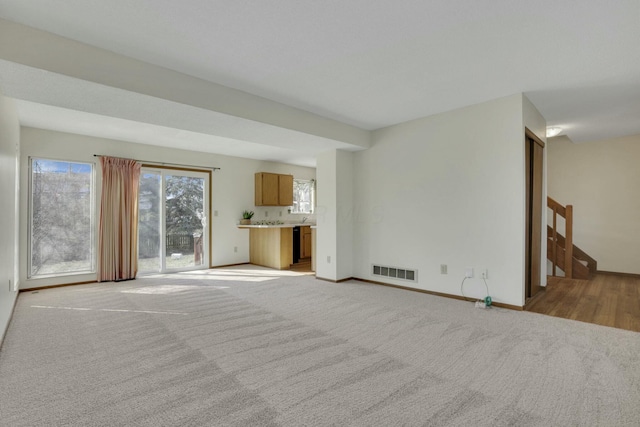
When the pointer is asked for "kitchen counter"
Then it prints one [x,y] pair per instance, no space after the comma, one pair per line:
[271,245]
[301,224]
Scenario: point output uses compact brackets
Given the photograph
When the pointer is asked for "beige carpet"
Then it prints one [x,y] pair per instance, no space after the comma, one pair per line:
[248,346]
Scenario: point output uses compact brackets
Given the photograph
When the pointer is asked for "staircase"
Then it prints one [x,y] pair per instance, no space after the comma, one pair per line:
[561,251]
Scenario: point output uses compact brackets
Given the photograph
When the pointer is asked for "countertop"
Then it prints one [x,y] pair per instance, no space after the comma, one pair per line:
[288,225]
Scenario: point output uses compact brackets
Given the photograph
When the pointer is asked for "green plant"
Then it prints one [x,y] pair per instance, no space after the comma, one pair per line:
[247,214]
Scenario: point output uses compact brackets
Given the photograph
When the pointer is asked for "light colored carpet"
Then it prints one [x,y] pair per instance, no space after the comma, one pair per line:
[248,346]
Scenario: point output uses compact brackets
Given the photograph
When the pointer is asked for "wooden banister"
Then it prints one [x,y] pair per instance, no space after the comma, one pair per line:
[555,206]
[567,213]
[568,239]
[579,254]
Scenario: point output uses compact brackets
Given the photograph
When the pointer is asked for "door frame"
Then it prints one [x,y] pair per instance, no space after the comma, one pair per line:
[534,208]
[208,208]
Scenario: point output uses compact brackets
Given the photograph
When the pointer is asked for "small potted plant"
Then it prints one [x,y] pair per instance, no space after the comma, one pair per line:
[246,217]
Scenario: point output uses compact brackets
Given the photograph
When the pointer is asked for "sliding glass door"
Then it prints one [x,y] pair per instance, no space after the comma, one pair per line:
[149,222]
[172,227]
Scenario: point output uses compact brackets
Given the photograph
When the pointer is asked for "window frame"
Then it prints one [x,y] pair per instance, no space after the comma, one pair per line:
[312,196]
[92,217]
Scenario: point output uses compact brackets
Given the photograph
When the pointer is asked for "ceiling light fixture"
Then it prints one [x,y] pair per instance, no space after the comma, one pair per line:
[553,131]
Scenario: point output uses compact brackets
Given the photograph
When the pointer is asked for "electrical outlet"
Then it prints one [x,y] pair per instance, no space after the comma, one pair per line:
[10,288]
[328,259]
[280,213]
[266,213]
[215,213]
[484,274]
[235,249]
[443,268]
[468,273]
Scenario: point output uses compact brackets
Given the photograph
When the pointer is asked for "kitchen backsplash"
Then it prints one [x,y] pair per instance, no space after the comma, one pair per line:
[280,213]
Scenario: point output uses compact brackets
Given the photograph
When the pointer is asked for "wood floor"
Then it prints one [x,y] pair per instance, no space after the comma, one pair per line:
[606,299]
[303,266]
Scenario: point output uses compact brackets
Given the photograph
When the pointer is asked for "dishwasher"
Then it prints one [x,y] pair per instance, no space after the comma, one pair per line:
[296,245]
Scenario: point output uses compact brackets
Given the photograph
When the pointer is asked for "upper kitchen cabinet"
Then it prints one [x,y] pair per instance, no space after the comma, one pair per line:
[273,189]
[285,190]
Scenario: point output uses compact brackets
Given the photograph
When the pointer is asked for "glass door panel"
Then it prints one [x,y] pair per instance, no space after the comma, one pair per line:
[184,221]
[149,224]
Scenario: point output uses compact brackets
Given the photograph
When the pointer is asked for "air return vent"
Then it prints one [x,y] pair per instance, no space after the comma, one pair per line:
[395,273]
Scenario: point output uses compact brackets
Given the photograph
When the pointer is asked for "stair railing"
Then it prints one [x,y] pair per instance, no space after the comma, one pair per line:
[567,213]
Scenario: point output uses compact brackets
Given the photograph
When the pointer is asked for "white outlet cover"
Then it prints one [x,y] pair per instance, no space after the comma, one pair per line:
[468,272]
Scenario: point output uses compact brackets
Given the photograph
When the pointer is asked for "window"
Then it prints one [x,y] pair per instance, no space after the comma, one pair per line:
[303,196]
[61,223]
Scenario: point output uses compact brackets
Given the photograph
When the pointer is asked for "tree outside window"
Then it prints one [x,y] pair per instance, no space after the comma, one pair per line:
[303,196]
[61,233]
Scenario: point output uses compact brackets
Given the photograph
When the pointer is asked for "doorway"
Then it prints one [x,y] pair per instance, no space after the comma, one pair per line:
[173,217]
[534,155]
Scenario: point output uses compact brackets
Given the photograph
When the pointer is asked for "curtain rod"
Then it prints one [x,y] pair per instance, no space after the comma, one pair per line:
[161,163]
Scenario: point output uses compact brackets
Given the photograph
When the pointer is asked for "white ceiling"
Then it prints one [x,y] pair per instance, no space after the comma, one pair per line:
[374,64]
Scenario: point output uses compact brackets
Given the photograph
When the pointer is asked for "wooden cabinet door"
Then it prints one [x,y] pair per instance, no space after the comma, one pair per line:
[266,191]
[305,242]
[273,189]
[313,249]
[285,190]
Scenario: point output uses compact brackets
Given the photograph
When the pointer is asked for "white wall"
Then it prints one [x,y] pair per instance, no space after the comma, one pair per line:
[334,237]
[446,189]
[232,188]
[9,152]
[345,214]
[326,217]
[533,120]
[601,180]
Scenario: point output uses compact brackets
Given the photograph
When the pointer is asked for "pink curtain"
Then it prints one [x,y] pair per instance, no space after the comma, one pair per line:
[118,237]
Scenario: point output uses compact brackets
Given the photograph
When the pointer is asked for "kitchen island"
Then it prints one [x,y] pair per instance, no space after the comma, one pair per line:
[271,245]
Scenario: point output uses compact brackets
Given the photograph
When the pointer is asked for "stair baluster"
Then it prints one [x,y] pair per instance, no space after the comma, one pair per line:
[561,251]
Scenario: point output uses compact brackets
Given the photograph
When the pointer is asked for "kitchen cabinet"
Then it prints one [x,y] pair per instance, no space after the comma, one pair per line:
[313,249]
[274,246]
[271,247]
[273,189]
[285,190]
[305,242]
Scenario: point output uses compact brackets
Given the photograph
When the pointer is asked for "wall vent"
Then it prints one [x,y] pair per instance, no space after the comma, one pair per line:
[395,272]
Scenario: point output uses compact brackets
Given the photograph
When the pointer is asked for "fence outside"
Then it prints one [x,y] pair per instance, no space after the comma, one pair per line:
[178,242]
